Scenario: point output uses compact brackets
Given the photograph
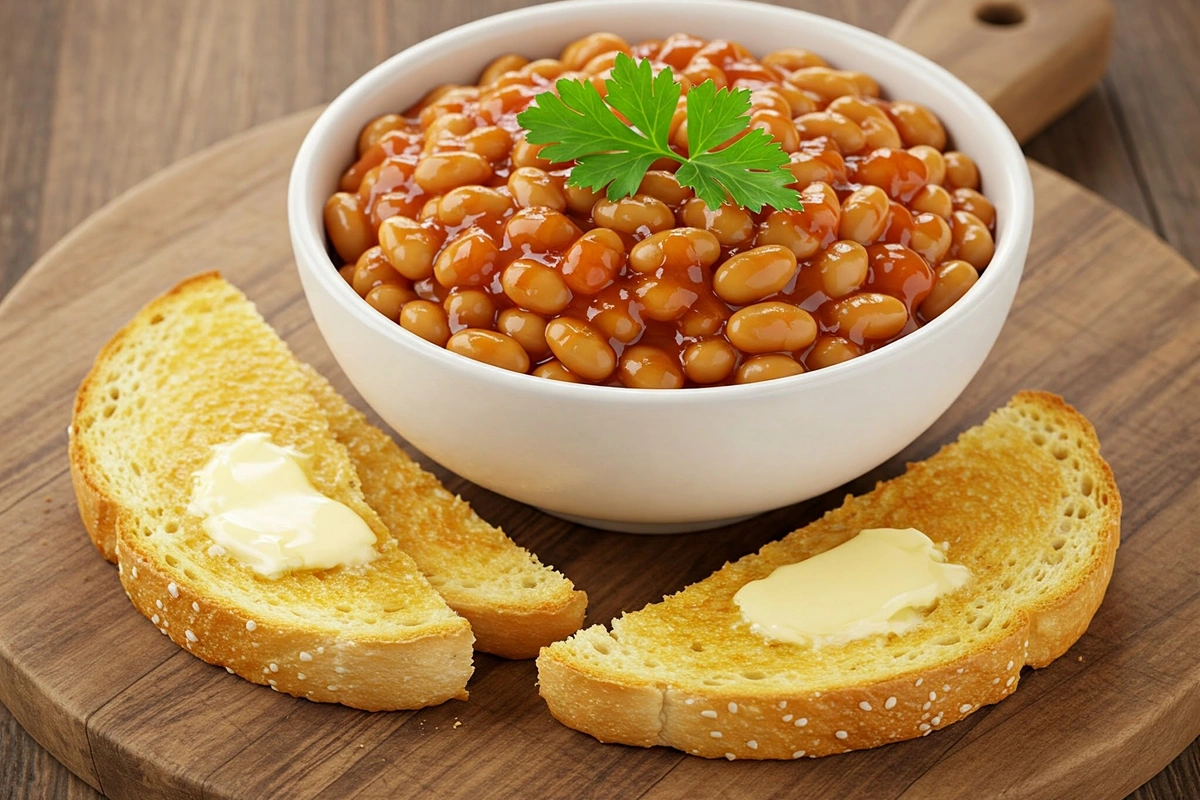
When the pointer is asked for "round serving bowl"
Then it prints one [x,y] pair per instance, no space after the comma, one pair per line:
[643,460]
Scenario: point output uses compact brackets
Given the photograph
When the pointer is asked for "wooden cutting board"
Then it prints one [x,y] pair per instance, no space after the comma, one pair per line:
[1107,315]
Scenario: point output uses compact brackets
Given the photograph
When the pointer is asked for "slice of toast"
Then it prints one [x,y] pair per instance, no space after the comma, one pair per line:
[515,604]
[199,367]
[1024,500]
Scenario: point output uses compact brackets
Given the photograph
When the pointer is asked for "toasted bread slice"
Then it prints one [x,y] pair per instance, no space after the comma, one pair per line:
[515,604]
[1024,500]
[199,367]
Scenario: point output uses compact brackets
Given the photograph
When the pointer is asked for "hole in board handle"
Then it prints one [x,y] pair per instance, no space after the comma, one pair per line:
[1000,14]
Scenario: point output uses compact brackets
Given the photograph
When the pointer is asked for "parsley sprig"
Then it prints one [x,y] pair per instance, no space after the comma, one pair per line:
[579,125]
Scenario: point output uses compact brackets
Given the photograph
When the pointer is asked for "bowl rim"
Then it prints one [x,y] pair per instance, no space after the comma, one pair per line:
[309,242]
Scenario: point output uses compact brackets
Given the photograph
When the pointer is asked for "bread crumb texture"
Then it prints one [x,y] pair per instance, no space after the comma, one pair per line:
[1024,500]
[199,367]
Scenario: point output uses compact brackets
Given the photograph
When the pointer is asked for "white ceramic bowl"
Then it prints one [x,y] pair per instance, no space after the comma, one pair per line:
[642,460]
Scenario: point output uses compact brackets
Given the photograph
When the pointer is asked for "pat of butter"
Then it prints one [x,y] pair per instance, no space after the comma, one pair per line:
[876,583]
[260,507]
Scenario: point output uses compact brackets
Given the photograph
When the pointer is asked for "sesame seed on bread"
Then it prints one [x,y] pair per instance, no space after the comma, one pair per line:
[1024,500]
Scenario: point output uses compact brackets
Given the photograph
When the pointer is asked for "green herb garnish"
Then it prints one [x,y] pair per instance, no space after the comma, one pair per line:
[579,125]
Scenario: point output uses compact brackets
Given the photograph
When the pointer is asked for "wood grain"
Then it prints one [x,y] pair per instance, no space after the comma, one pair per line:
[77,77]
[1030,60]
[143,718]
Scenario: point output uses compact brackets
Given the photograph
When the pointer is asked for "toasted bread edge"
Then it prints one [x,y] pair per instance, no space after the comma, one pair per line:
[645,714]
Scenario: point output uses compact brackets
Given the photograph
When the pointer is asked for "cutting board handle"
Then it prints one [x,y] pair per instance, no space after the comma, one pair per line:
[1030,59]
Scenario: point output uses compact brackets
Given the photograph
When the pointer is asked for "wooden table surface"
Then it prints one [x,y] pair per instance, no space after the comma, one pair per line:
[97,95]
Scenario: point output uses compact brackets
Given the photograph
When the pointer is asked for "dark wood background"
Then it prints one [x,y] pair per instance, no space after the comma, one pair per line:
[97,95]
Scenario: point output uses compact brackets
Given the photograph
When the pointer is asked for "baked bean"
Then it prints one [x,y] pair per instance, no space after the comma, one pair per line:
[432,96]
[954,278]
[970,200]
[841,130]
[778,127]
[868,315]
[535,287]
[771,327]
[389,298]
[581,199]
[616,321]
[470,308]
[393,204]
[675,250]
[410,246]
[864,215]
[467,204]
[530,186]
[580,348]
[470,259]
[791,59]
[371,270]
[755,274]
[545,69]
[447,126]
[633,215]
[935,164]
[722,51]
[709,361]
[593,261]
[347,226]
[799,102]
[600,65]
[441,172]
[930,237]
[540,230]
[917,125]
[704,317]
[731,225]
[527,328]
[767,368]
[972,241]
[489,347]
[377,128]
[664,186]
[843,268]
[830,350]
[645,367]
[699,70]
[347,273]
[898,271]
[932,200]
[770,100]
[867,85]
[961,172]
[491,142]
[430,208]
[501,65]
[663,299]
[555,371]
[876,127]
[826,83]
[426,319]
[525,154]
[581,51]
[788,229]
[678,49]
[897,172]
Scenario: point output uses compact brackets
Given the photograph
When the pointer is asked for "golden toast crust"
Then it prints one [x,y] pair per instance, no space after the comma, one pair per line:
[427,662]
[723,700]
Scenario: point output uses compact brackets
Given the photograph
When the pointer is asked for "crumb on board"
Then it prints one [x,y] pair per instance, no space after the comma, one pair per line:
[458,723]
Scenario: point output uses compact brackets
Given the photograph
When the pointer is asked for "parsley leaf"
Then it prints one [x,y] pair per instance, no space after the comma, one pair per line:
[579,125]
